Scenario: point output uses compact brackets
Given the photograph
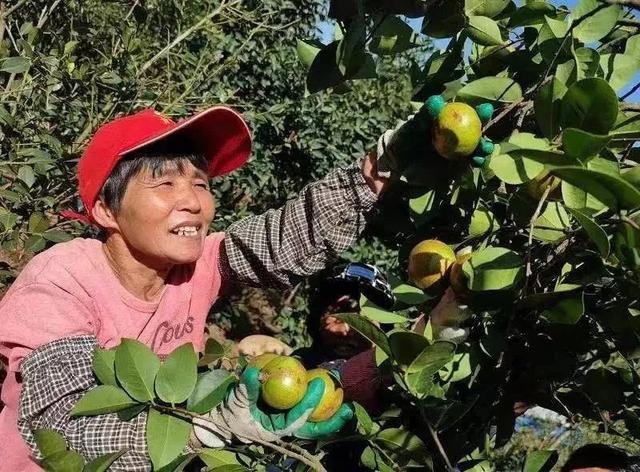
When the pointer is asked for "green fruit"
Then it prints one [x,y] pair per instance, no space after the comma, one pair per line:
[331,398]
[284,382]
[262,360]
[457,131]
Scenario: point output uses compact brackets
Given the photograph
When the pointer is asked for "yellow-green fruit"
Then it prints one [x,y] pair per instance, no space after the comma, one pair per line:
[331,399]
[262,360]
[457,131]
[457,279]
[284,382]
[539,184]
[429,261]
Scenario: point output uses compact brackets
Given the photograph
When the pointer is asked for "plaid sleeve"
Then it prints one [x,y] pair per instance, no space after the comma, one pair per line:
[300,238]
[54,377]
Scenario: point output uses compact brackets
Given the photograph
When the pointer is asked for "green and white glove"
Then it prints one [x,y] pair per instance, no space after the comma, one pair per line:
[239,417]
[411,140]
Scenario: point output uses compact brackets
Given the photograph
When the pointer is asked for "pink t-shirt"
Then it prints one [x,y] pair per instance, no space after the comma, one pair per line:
[70,290]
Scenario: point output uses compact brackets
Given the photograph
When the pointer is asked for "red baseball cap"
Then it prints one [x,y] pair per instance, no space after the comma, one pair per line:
[219,132]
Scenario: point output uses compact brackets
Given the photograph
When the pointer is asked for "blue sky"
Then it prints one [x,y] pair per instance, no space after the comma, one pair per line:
[326,30]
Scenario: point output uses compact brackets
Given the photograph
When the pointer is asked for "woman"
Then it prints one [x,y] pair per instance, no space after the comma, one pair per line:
[144,181]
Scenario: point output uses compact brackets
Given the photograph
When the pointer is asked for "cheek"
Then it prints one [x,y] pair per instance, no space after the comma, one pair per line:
[208,207]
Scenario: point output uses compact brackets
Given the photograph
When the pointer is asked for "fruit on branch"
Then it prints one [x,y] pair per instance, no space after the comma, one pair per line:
[284,382]
[331,398]
[429,262]
[456,131]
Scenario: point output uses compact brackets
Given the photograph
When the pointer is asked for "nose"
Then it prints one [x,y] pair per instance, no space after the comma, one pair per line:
[188,200]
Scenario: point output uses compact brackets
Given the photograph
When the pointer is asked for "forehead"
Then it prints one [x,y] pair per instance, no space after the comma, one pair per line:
[164,168]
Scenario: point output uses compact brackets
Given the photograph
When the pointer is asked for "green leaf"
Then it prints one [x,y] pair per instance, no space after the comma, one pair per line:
[308,50]
[550,224]
[38,223]
[484,31]
[531,13]
[15,65]
[56,236]
[218,457]
[65,461]
[379,315]
[409,295]
[167,436]
[596,26]
[494,268]
[49,442]
[136,369]
[34,243]
[459,368]
[619,69]
[129,413]
[432,358]
[551,39]
[102,463]
[213,351]
[445,21]
[590,105]
[547,107]
[611,190]
[580,144]
[498,90]
[540,461]
[350,52]
[25,173]
[104,366]
[8,219]
[210,390]
[102,399]
[587,63]
[365,423]
[393,36]
[375,460]
[406,346]
[490,8]
[482,222]
[404,448]
[367,329]
[568,310]
[177,375]
[594,231]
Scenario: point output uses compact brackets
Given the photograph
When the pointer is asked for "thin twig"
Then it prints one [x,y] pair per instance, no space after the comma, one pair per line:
[631,91]
[436,440]
[187,33]
[13,8]
[630,106]
[625,3]
[532,224]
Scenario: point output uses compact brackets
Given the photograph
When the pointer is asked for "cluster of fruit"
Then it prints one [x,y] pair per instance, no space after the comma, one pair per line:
[284,383]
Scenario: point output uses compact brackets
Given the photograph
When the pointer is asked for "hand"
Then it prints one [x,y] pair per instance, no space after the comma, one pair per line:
[410,140]
[240,417]
[447,316]
[257,344]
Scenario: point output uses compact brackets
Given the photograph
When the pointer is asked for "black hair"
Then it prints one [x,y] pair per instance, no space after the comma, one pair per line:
[603,456]
[156,159]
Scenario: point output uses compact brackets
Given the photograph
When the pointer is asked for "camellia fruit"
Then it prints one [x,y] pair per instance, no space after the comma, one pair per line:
[331,398]
[456,131]
[429,262]
[284,382]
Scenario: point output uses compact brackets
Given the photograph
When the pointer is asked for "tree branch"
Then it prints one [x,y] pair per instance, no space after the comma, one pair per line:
[625,3]
[630,106]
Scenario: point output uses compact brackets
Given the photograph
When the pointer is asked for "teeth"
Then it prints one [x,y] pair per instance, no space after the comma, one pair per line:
[186,231]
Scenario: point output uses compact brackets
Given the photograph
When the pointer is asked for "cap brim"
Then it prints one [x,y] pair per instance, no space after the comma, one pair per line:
[219,132]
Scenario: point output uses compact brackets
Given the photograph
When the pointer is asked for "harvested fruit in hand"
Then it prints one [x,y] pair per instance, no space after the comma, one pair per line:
[331,398]
[284,382]
[262,360]
[429,261]
[456,131]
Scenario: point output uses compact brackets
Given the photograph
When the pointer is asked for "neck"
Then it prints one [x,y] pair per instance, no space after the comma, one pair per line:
[139,276]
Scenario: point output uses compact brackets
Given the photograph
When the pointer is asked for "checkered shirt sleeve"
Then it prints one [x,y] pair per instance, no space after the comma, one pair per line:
[280,246]
[54,377]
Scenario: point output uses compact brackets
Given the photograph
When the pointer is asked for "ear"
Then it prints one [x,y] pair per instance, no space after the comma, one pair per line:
[104,216]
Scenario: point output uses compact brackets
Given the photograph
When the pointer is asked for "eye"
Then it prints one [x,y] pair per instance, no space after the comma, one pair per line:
[202,185]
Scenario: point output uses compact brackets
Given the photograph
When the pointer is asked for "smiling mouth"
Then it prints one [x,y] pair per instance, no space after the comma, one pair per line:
[187,231]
